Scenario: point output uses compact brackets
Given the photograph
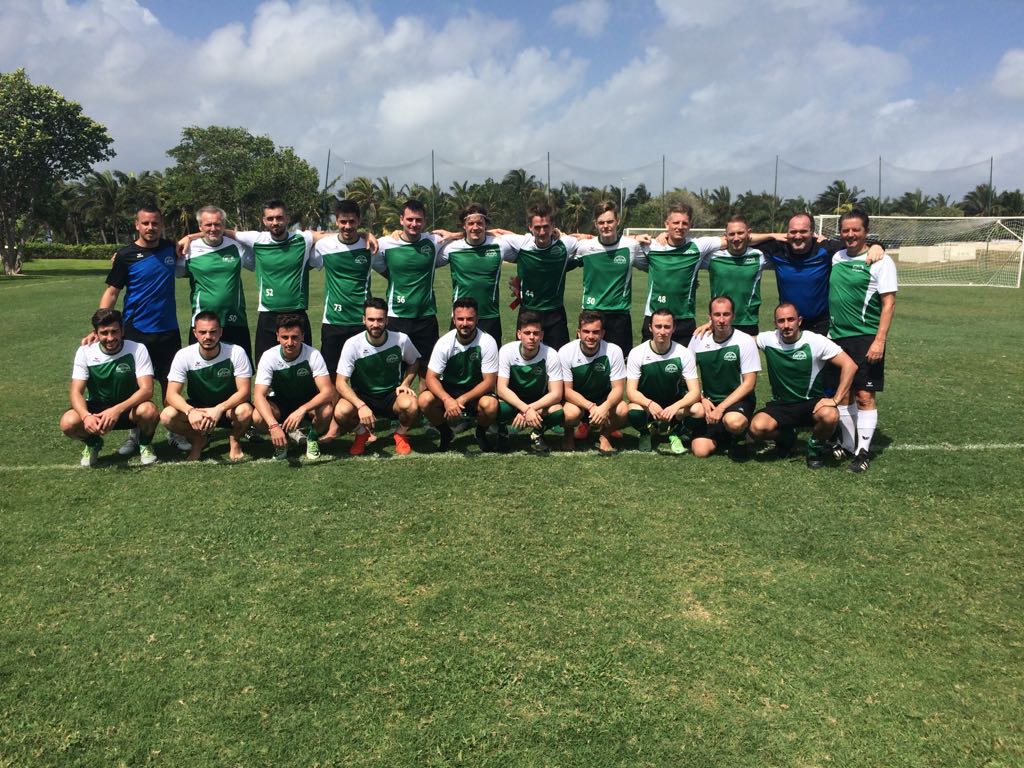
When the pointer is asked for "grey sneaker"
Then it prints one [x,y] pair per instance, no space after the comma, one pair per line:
[146,455]
[178,441]
[90,455]
[280,454]
[537,444]
[644,443]
[131,443]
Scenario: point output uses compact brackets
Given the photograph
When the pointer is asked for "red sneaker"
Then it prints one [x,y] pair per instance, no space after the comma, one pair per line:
[582,431]
[402,447]
[359,446]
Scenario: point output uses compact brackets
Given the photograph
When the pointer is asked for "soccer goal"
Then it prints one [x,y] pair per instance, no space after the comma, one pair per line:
[969,250]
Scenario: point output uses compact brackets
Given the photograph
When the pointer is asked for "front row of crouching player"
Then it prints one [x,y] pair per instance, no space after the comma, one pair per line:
[586,386]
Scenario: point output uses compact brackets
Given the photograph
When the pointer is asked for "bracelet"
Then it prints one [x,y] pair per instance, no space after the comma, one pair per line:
[275,425]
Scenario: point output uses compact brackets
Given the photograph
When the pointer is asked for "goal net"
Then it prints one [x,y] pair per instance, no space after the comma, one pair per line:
[693,233]
[969,250]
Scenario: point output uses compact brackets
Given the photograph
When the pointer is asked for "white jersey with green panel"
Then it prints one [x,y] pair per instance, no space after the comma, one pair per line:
[409,268]
[376,370]
[672,275]
[460,367]
[541,271]
[592,376]
[739,278]
[661,377]
[282,269]
[854,294]
[346,269]
[722,364]
[111,379]
[209,382]
[215,278]
[529,377]
[608,272]
[795,370]
[293,381]
[476,271]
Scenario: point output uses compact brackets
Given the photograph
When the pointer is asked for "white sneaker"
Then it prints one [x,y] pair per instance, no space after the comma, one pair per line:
[146,455]
[297,436]
[90,454]
[178,441]
[313,450]
[131,444]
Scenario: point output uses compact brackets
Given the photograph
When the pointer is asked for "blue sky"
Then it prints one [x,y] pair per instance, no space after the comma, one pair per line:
[607,88]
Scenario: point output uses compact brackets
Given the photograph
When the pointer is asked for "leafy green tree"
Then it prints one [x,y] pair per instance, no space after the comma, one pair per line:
[44,139]
[761,210]
[980,201]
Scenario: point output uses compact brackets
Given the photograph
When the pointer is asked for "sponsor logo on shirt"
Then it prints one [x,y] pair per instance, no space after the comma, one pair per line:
[169,261]
[123,368]
[750,260]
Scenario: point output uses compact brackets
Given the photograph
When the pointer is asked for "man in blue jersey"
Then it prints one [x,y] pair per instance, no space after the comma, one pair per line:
[802,265]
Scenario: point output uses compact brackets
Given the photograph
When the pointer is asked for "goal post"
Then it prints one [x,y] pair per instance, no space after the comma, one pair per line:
[961,251]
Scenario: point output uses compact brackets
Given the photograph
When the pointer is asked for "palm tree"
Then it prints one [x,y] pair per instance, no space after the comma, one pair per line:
[837,198]
[914,203]
[979,201]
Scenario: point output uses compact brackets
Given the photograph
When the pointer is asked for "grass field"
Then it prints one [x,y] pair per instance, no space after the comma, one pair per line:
[515,610]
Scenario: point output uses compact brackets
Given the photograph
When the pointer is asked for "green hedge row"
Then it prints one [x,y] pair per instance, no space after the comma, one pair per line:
[40,250]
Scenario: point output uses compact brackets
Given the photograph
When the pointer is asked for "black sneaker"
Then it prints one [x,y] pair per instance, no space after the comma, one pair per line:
[860,463]
[503,445]
[784,442]
[447,435]
[814,461]
[836,449]
[482,440]
[738,450]
[537,444]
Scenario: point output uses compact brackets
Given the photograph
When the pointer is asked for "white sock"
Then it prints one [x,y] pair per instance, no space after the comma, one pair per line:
[866,423]
[848,426]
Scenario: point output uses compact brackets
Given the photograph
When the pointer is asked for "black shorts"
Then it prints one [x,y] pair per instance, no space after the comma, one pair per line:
[870,377]
[618,329]
[791,415]
[383,406]
[222,423]
[681,335]
[422,332]
[718,431]
[285,408]
[123,421]
[266,331]
[470,407]
[489,325]
[750,330]
[233,334]
[817,324]
[555,326]
[162,348]
[332,339]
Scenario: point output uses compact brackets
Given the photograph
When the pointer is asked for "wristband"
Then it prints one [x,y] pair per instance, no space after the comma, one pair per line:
[275,425]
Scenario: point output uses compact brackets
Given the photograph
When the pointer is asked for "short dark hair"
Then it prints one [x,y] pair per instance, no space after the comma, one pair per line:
[414,205]
[723,297]
[529,317]
[684,208]
[588,316]
[471,210]
[663,311]
[106,316]
[738,218]
[206,314]
[855,213]
[375,302]
[289,320]
[782,304]
[465,302]
[604,207]
[806,215]
[275,202]
[541,209]
[347,206]
[148,209]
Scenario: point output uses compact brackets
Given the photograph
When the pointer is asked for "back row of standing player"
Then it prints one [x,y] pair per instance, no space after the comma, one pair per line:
[282,260]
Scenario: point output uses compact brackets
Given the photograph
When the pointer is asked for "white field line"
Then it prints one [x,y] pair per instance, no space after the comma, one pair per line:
[450,456]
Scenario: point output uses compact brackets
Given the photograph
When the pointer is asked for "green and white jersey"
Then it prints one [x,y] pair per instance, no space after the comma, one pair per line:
[722,364]
[854,294]
[672,275]
[592,376]
[111,379]
[541,271]
[795,370]
[346,278]
[608,272]
[476,271]
[282,269]
[215,278]
[209,382]
[376,371]
[529,378]
[409,268]
[462,366]
[739,278]
[293,381]
[661,377]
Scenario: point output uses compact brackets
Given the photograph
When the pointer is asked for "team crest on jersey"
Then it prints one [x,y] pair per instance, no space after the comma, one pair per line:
[474,354]
[800,355]
[169,261]
[359,259]
[600,367]
[392,358]
[750,260]
[303,372]
[619,259]
[123,368]
[671,368]
[526,368]
[730,356]
[223,373]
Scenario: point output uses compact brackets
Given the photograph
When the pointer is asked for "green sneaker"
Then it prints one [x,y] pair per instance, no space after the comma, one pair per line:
[644,443]
[312,450]
[146,455]
[675,444]
[90,455]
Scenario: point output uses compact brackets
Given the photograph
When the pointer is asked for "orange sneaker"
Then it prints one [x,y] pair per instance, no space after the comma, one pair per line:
[359,446]
[402,447]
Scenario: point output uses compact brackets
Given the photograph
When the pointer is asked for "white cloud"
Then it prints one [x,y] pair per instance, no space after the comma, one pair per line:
[1009,77]
[588,17]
